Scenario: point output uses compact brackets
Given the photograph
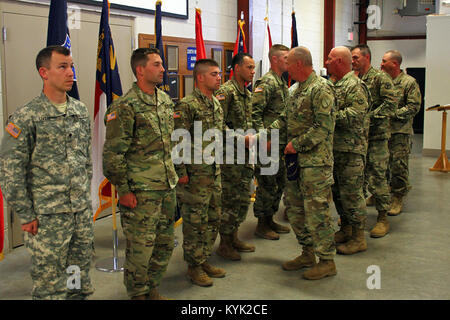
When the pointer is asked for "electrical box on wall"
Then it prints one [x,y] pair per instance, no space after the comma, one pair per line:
[417,7]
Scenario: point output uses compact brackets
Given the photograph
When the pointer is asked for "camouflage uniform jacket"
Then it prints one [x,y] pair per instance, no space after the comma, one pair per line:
[383,102]
[237,109]
[268,100]
[197,107]
[409,104]
[137,150]
[46,159]
[308,122]
[352,96]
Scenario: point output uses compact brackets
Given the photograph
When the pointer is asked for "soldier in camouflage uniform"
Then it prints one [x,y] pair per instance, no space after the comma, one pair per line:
[46,173]
[199,190]
[383,104]
[401,128]
[235,100]
[307,128]
[137,160]
[268,102]
[350,146]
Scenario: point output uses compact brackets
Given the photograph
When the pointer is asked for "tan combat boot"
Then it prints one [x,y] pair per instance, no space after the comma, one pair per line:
[263,230]
[154,295]
[370,201]
[382,226]
[213,272]
[199,277]
[306,259]
[344,234]
[226,249]
[278,228]
[324,268]
[356,244]
[397,206]
[240,245]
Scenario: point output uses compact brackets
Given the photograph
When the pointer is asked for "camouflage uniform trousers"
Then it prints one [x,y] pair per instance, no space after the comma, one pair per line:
[269,191]
[63,240]
[236,179]
[200,206]
[348,192]
[375,173]
[149,232]
[308,209]
[398,173]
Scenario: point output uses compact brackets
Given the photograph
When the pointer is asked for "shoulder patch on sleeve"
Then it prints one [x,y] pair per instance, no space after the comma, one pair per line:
[13,130]
[111,116]
[177,114]
[259,89]
[220,97]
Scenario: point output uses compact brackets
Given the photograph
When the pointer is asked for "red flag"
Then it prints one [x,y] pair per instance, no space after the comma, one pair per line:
[239,45]
[2,226]
[200,44]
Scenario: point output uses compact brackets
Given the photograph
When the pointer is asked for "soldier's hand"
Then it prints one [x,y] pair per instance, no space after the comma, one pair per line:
[31,227]
[129,200]
[289,149]
[183,180]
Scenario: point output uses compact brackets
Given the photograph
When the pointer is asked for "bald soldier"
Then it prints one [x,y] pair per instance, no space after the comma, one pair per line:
[401,128]
[383,103]
[350,146]
[268,102]
[306,128]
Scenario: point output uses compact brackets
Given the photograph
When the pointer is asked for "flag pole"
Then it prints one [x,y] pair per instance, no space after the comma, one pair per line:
[115,264]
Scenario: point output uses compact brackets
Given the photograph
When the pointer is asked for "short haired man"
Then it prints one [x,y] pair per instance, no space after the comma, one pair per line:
[268,102]
[235,100]
[383,104]
[46,177]
[401,128]
[200,189]
[307,128]
[137,160]
[349,149]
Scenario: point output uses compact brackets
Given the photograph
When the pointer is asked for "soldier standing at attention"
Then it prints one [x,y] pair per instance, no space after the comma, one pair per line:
[235,100]
[401,128]
[268,102]
[307,127]
[349,148]
[46,173]
[137,160]
[382,107]
[199,189]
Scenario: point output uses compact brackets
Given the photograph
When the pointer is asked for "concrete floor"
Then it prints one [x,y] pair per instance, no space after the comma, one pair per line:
[413,258]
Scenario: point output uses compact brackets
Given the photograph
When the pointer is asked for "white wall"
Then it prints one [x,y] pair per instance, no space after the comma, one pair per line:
[413,51]
[437,88]
[309,17]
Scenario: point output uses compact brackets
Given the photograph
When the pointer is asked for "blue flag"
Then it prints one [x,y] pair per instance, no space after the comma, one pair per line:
[107,74]
[159,45]
[294,37]
[58,34]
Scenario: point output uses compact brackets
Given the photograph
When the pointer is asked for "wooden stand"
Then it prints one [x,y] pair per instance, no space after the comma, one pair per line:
[442,164]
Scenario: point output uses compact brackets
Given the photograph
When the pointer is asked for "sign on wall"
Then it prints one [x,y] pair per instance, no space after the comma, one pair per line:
[170,8]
